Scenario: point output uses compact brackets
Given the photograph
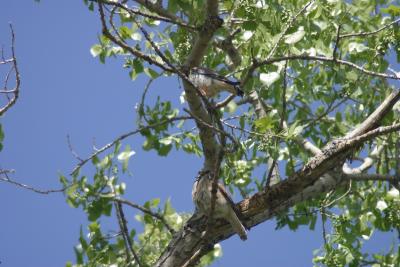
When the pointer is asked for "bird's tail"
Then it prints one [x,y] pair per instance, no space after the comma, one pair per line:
[237,226]
[239,91]
[236,86]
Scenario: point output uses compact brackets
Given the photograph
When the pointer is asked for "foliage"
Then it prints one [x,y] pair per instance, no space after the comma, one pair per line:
[318,100]
[318,70]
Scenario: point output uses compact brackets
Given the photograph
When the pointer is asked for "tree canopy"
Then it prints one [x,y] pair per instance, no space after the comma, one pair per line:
[315,136]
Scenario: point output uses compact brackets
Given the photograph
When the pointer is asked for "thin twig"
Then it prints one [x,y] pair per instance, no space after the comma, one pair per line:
[135,11]
[122,44]
[13,60]
[147,211]
[72,149]
[363,34]
[225,102]
[235,143]
[39,191]
[125,234]
[336,42]
[283,33]
[326,59]
[122,137]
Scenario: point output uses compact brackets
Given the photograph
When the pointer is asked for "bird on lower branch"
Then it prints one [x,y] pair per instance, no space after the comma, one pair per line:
[224,206]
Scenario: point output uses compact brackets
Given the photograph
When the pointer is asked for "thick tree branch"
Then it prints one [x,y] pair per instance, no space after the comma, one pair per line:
[374,119]
[306,183]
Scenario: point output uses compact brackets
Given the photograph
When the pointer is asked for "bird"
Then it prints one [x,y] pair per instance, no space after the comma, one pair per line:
[224,205]
[210,83]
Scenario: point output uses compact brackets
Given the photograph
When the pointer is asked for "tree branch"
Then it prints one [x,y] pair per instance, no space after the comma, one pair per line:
[125,234]
[367,162]
[363,34]
[147,211]
[325,59]
[122,137]
[371,177]
[28,187]
[134,11]
[122,44]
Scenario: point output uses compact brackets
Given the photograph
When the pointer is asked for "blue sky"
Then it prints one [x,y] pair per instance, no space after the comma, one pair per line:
[65,91]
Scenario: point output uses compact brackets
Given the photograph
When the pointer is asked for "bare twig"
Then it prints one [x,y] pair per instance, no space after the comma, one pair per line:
[72,149]
[13,60]
[39,191]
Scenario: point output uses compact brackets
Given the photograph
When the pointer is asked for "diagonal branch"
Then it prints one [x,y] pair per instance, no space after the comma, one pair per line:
[306,183]
[363,34]
[374,119]
[122,137]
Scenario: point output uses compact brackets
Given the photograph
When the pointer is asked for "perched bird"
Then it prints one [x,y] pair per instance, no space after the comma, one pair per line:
[224,206]
[211,83]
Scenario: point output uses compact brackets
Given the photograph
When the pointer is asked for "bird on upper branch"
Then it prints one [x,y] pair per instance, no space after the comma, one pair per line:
[211,83]
[224,205]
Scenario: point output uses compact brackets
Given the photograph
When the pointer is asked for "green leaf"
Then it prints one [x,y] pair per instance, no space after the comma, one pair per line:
[296,36]
[269,78]
[63,180]
[125,32]
[123,156]
[96,50]
[264,124]
[151,73]
[392,10]
[164,150]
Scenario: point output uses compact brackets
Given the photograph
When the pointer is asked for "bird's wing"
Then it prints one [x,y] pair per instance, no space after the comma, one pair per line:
[230,201]
[214,75]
